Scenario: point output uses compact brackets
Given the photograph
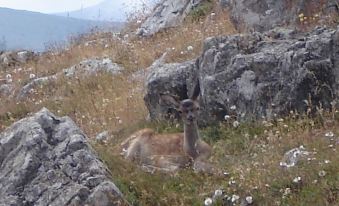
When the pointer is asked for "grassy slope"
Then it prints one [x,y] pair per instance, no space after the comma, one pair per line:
[250,153]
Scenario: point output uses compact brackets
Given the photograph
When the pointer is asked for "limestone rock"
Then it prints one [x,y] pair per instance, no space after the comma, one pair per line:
[46,160]
[261,74]
[167,14]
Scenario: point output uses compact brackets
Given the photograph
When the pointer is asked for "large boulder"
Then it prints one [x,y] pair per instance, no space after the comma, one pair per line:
[46,160]
[262,15]
[162,79]
[254,75]
[167,14]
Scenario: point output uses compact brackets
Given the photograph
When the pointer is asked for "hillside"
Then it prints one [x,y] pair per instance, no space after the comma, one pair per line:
[108,10]
[33,31]
[209,102]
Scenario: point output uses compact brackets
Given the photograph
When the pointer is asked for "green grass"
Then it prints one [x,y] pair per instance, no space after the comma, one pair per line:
[250,154]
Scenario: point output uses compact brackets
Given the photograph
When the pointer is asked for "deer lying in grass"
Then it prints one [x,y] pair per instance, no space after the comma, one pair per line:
[169,152]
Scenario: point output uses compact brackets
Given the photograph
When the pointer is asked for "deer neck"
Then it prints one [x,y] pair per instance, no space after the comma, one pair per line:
[191,136]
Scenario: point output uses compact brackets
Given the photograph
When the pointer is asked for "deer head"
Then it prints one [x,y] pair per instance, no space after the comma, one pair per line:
[188,108]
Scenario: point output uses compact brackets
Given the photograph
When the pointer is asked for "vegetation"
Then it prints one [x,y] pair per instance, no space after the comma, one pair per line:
[248,154]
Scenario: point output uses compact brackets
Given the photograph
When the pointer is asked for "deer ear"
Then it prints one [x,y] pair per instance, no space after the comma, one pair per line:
[170,100]
[196,91]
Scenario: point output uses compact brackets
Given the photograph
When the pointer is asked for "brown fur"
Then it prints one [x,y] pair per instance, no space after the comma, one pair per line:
[170,152]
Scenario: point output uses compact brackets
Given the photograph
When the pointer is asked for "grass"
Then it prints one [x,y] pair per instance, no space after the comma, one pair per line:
[250,154]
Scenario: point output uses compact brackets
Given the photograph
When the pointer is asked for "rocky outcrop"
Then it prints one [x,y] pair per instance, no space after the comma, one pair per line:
[167,14]
[93,66]
[46,160]
[167,79]
[254,75]
[15,58]
[84,68]
[262,15]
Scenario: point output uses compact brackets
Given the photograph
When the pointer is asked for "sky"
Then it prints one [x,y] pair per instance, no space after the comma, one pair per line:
[52,6]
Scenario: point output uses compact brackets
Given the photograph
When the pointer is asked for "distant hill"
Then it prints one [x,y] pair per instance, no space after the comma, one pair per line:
[108,10]
[32,30]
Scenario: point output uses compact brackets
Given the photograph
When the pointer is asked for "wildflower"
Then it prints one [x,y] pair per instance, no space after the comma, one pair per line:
[235,198]
[190,48]
[208,202]
[32,76]
[329,134]
[120,121]
[287,191]
[233,107]
[322,173]
[9,78]
[226,173]
[217,193]
[327,161]
[301,15]
[213,14]
[297,180]
[227,117]
[249,199]
[236,124]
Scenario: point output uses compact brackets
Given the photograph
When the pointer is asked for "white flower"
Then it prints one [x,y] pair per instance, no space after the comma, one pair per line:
[327,161]
[297,179]
[190,48]
[235,198]
[32,76]
[213,14]
[322,173]
[249,200]
[227,117]
[329,134]
[208,202]
[233,107]
[236,124]
[217,193]
[9,78]
[287,191]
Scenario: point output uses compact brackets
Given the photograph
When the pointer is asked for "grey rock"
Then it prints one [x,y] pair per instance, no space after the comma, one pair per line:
[24,56]
[261,76]
[167,79]
[167,14]
[102,137]
[86,67]
[262,15]
[93,66]
[12,58]
[46,160]
[6,90]
[29,87]
[293,156]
